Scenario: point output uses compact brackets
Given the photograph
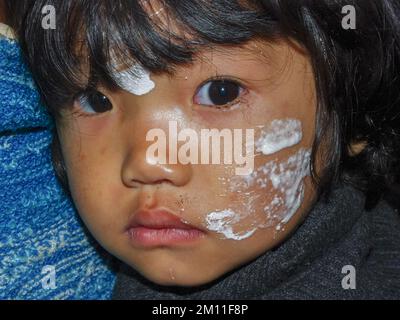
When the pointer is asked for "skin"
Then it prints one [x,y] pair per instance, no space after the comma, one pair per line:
[110,176]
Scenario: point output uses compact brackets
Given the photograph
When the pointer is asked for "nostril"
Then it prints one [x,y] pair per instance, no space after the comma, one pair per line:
[136,172]
[162,181]
[138,183]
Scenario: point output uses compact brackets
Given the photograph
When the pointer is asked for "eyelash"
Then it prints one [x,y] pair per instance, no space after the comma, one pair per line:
[230,105]
[79,113]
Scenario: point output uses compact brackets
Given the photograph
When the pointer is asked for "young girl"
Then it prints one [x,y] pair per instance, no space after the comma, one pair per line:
[45,252]
[134,86]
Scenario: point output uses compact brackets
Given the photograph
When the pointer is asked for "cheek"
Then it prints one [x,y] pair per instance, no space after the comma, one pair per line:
[270,196]
[91,175]
[267,199]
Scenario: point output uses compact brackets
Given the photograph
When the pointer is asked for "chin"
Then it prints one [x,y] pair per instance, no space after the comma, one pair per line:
[178,278]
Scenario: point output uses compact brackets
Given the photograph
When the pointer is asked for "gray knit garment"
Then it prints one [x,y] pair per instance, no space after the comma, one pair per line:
[308,265]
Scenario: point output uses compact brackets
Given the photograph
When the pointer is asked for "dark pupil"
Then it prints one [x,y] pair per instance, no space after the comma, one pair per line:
[99,102]
[223,92]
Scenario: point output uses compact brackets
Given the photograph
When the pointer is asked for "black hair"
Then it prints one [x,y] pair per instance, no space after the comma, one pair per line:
[15,11]
[357,71]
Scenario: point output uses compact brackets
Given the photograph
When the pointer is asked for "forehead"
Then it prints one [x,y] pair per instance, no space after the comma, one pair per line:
[258,55]
[122,48]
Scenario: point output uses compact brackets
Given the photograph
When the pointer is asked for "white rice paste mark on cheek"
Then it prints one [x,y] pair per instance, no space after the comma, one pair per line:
[238,216]
[286,181]
[223,221]
[283,180]
[135,80]
[279,135]
[224,182]
[171,274]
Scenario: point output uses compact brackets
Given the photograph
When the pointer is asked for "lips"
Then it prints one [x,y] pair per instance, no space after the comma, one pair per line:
[160,227]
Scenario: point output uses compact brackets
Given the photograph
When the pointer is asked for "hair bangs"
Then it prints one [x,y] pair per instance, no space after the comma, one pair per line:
[158,34]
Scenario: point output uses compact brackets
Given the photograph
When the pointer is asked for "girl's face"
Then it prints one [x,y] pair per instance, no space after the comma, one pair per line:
[122,192]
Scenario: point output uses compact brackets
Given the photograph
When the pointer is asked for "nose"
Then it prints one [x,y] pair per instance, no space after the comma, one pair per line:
[153,111]
[141,168]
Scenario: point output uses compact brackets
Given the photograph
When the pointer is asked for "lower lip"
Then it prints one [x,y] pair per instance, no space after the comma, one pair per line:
[166,236]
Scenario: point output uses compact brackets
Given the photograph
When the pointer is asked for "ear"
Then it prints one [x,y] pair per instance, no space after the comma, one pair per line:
[356,148]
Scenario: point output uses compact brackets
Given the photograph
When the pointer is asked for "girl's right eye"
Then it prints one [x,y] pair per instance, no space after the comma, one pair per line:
[93,102]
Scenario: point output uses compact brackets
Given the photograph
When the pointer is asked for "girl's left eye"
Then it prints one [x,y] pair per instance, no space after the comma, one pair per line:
[218,93]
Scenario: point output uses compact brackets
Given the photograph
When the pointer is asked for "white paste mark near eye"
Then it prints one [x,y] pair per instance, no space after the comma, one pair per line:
[280,134]
[223,222]
[135,80]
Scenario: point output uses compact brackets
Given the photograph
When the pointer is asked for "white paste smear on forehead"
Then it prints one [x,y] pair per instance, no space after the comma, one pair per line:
[280,134]
[223,222]
[135,80]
